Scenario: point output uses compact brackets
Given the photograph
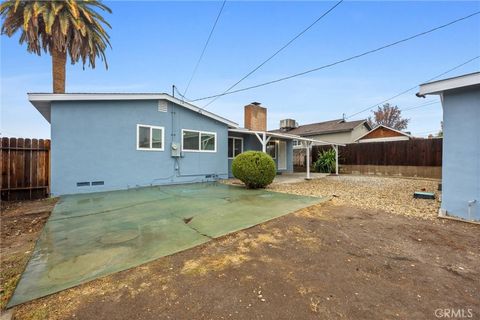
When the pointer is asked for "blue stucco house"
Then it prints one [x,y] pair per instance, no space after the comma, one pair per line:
[460,98]
[113,141]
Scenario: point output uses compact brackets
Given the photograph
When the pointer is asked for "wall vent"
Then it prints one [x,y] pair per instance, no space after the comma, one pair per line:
[162,106]
[83,184]
[98,183]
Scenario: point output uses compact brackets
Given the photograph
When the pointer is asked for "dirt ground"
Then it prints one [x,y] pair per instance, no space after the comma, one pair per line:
[328,261]
[20,225]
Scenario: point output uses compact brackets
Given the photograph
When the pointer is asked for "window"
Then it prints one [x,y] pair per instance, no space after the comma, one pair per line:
[272,149]
[191,140]
[235,147]
[199,141]
[149,137]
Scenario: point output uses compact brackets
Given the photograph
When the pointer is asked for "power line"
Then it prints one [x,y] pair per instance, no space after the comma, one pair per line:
[204,47]
[414,87]
[420,106]
[277,52]
[344,60]
[425,132]
[175,89]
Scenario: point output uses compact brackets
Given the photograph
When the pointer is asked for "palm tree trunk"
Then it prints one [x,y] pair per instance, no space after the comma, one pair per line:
[59,60]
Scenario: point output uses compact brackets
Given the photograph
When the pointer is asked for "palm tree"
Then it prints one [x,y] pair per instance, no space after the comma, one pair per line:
[59,27]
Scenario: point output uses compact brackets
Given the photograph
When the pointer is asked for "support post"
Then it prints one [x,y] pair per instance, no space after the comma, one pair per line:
[263,140]
[307,144]
[336,159]
[264,143]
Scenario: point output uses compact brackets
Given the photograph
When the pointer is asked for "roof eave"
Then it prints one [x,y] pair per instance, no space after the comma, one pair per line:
[439,86]
[42,102]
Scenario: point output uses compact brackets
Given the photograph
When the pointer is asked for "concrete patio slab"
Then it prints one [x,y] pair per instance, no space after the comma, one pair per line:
[93,235]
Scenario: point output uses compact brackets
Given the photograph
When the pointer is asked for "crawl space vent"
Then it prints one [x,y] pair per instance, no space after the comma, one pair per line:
[98,183]
[162,106]
[83,184]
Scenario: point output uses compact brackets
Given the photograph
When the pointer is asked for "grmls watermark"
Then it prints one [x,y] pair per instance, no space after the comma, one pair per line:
[454,313]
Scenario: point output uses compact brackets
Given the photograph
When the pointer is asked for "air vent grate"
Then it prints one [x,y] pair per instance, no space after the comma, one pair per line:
[83,184]
[162,106]
[98,183]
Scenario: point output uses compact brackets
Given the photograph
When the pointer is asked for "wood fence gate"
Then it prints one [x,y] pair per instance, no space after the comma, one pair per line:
[25,168]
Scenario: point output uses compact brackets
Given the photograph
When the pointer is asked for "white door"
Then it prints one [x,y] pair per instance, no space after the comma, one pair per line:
[282,155]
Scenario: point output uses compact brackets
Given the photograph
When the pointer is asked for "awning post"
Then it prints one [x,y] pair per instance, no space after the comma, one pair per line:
[336,159]
[264,143]
[263,140]
[307,144]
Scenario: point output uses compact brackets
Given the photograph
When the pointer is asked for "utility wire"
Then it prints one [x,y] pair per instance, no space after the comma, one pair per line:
[420,106]
[179,93]
[345,60]
[276,52]
[204,48]
[425,132]
[414,87]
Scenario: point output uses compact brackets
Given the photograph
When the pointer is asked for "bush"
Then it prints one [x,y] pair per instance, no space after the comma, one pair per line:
[254,168]
[325,162]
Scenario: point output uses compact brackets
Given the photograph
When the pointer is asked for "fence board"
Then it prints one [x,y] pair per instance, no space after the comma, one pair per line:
[25,168]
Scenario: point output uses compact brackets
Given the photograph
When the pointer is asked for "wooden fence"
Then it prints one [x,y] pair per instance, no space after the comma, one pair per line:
[415,152]
[25,168]
[411,158]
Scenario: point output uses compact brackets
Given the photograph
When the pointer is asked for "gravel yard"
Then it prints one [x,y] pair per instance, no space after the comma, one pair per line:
[393,195]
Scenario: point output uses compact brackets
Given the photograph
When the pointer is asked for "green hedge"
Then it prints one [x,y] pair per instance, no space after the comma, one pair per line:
[254,168]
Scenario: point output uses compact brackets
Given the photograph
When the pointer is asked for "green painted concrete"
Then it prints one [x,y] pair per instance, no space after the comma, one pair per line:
[92,235]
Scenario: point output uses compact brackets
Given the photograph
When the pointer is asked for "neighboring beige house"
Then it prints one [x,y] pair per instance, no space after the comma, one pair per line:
[383,133]
[337,131]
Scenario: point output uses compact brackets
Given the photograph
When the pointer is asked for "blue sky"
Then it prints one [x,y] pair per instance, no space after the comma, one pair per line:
[156,44]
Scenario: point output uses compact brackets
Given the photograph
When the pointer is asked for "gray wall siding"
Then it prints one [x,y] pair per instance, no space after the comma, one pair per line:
[358,132]
[461,153]
[96,141]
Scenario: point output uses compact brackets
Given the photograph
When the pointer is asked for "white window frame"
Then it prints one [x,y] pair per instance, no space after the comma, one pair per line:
[151,140]
[275,149]
[200,141]
[238,138]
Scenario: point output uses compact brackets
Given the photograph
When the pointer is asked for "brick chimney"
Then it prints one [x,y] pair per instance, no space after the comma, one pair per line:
[255,117]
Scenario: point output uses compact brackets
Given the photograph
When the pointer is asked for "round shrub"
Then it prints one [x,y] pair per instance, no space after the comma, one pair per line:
[254,168]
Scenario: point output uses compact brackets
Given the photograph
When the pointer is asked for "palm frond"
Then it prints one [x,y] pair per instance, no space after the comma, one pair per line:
[72,26]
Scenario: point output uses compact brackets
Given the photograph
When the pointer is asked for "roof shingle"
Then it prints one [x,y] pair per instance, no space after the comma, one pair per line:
[325,127]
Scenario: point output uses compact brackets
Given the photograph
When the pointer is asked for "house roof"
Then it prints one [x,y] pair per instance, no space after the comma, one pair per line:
[437,87]
[332,126]
[372,133]
[43,102]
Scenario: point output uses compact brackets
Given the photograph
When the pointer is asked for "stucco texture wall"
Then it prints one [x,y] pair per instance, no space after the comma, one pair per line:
[96,141]
[461,154]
